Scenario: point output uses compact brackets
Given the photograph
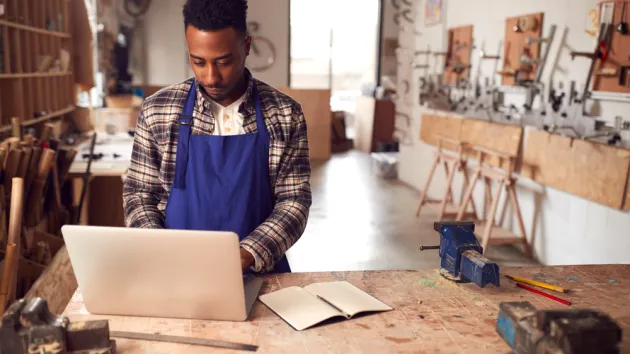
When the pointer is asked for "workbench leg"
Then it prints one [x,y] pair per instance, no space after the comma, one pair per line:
[423,192]
[490,222]
[468,195]
[464,187]
[517,210]
[449,191]
[77,186]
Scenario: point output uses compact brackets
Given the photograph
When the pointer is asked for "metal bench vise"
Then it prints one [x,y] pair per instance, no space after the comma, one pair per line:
[529,331]
[462,259]
[29,327]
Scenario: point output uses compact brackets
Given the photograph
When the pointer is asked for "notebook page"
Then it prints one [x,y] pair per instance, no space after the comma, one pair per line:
[347,297]
[298,307]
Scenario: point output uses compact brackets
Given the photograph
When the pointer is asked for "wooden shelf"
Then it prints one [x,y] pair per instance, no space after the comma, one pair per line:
[33,75]
[41,119]
[34,29]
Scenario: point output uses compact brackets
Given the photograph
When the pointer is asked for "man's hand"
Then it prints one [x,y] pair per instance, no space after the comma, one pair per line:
[246,259]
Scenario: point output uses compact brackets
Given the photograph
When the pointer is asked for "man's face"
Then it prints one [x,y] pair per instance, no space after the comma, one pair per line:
[217,59]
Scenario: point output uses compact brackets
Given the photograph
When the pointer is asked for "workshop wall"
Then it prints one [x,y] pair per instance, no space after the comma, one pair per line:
[566,229]
[167,58]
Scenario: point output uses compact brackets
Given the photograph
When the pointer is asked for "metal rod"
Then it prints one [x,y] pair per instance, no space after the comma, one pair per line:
[422,248]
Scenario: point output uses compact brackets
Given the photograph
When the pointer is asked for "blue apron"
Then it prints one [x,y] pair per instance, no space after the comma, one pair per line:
[221,182]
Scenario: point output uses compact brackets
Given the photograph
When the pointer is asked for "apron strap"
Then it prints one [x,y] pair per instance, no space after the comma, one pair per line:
[185,124]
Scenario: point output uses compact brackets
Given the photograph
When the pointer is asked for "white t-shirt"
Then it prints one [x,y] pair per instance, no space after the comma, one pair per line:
[228,120]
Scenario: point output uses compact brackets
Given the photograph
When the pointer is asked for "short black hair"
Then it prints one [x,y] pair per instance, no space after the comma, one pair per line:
[214,15]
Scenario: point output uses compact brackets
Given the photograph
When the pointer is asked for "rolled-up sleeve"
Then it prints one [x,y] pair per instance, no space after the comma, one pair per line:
[142,189]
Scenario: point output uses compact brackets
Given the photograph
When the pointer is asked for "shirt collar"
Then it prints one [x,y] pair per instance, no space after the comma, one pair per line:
[247,106]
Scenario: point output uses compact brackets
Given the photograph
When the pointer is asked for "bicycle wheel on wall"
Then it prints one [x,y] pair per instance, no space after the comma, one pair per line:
[262,55]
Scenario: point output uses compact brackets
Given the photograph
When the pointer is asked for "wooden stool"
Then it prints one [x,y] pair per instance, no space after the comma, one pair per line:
[447,207]
[503,179]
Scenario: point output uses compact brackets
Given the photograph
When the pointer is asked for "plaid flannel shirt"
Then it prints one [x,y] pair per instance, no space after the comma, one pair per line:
[150,176]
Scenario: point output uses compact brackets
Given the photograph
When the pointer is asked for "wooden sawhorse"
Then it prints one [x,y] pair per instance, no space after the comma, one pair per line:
[503,179]
[448,209]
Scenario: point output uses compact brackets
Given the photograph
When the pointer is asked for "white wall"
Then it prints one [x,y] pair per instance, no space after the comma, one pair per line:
[167,61]
[566,229]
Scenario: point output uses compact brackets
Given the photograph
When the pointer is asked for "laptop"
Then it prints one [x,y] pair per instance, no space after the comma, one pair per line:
[160,273]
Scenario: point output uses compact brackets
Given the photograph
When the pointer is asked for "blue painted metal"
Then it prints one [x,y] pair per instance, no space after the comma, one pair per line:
[462,256]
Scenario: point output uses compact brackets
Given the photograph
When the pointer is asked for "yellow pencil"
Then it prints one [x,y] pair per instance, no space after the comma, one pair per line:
[537,283]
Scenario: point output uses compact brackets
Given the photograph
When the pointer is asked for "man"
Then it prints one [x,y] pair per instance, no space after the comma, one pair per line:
[222,151]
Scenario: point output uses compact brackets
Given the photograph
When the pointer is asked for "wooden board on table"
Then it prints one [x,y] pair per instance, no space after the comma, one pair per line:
[460,42]
[56,284]
[316,107]
[619,54]
[503,138]
[430,314]
[589,170]
[433,126]
[515,45]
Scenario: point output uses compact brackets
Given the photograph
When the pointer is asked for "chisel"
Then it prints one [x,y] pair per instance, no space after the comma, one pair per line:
[183,340]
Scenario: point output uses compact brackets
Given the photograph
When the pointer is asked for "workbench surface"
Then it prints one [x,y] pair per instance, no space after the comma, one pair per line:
[431,314]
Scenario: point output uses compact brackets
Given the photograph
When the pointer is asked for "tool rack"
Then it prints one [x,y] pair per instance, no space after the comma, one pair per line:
[36,80]
[458,57]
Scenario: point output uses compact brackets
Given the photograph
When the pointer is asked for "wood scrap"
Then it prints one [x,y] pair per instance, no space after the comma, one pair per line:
[35,197]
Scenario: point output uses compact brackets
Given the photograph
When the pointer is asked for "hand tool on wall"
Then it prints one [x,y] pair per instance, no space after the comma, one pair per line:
[530,331]
[600,54]
[622,26]
[35,196]
[29,327]
[461,254]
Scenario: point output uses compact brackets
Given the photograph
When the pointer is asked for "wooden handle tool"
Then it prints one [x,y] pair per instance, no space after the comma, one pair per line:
[16,127]
[11,168]
[65,165]
[24,162]
[34,202]
[46,131]
[31,172]
[29,139]
[15,226]
[9,271]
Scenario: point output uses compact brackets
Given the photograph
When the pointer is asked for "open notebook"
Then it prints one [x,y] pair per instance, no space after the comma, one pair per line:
[315,303]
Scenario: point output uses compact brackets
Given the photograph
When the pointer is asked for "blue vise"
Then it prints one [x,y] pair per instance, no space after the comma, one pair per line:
[462,259]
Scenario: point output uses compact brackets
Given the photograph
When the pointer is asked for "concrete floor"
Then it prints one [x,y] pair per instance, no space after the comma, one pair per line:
[359,221]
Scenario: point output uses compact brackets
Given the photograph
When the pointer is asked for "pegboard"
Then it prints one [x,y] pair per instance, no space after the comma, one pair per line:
[460,45]
[517,30]
[613,75]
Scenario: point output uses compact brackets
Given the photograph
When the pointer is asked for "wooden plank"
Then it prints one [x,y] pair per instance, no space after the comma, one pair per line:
[316,107]
[56,284]
[589,170]
[515,45]
[434,126]
[431,314]
[503,138]
[600,172]
[364,123]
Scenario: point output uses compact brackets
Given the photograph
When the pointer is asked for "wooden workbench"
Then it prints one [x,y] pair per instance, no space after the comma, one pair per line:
[431,314]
